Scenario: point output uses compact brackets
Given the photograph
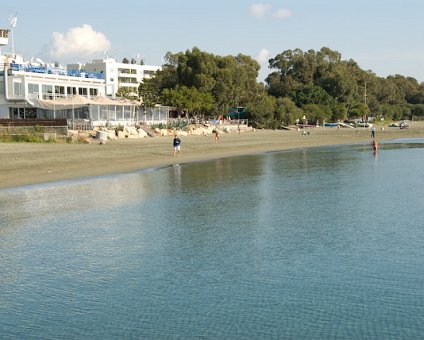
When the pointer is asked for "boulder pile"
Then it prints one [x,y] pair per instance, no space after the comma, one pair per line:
[138,132]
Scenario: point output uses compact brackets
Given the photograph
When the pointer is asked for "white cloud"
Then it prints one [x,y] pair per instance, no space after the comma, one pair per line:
[259,10]
[80,42]
[283,13]
[263,56]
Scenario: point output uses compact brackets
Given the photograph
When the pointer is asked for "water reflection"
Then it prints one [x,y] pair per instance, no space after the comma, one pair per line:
[277,245]
[52,199]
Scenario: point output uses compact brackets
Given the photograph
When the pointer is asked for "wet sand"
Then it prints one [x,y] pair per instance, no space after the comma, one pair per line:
[25,163]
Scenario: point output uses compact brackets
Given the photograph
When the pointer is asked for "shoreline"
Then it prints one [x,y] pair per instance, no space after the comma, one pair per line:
[27,164]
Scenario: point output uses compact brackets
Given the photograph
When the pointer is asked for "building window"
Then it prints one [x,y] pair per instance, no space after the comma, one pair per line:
[82,91]
[31,113]
[94,92]
[47,91]
[71,91]
[17,88]
[59,91]
[33,88]
[149,73]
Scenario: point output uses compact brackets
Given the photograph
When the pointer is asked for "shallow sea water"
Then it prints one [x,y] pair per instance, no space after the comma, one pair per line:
[317,243]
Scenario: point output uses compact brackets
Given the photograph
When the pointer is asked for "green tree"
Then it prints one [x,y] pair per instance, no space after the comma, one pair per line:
[317,83]
[358,110]
[408,87]
[287,112]
[148,93]
[315,112]
[262,113]
[188,100]
[125,92]
[230,80]
[310,94]
[418,110]
[287,74]
[339,112]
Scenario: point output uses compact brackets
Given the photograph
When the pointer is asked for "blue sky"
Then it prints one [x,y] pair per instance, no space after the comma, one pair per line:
[384,36]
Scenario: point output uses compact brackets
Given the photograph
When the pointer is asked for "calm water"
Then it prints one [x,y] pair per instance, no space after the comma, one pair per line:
[309,244]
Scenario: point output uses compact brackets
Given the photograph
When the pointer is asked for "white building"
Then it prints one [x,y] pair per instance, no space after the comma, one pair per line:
[118,75]
[36,90]
[23,83]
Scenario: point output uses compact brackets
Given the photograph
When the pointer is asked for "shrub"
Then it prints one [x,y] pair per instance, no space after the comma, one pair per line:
[39,128]
[179,124]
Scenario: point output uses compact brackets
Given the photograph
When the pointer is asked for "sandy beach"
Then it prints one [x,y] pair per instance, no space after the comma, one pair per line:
[25,163]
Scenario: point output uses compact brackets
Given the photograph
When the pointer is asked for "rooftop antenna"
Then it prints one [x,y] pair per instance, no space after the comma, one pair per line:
[13,19]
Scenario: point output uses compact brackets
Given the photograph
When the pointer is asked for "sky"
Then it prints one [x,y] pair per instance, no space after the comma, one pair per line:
[383,36]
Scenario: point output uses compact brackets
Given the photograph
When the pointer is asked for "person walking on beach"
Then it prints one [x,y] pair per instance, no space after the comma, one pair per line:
[216,132]
[177,145]
[373,132]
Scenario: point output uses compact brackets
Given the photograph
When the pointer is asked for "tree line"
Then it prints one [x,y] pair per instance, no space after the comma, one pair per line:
[317,84]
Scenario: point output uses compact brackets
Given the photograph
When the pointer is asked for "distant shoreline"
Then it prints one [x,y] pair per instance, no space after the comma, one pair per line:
[25,164]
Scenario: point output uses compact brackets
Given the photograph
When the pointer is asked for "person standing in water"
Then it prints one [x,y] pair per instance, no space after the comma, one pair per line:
[177,145]
[375,145]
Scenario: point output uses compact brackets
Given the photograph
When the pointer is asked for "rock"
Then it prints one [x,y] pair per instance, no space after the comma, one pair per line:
[131,131]
[73,134]
[165,132]
[142,133]
[101,136]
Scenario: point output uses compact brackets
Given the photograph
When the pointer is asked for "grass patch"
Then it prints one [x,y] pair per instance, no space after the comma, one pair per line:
[26,135]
